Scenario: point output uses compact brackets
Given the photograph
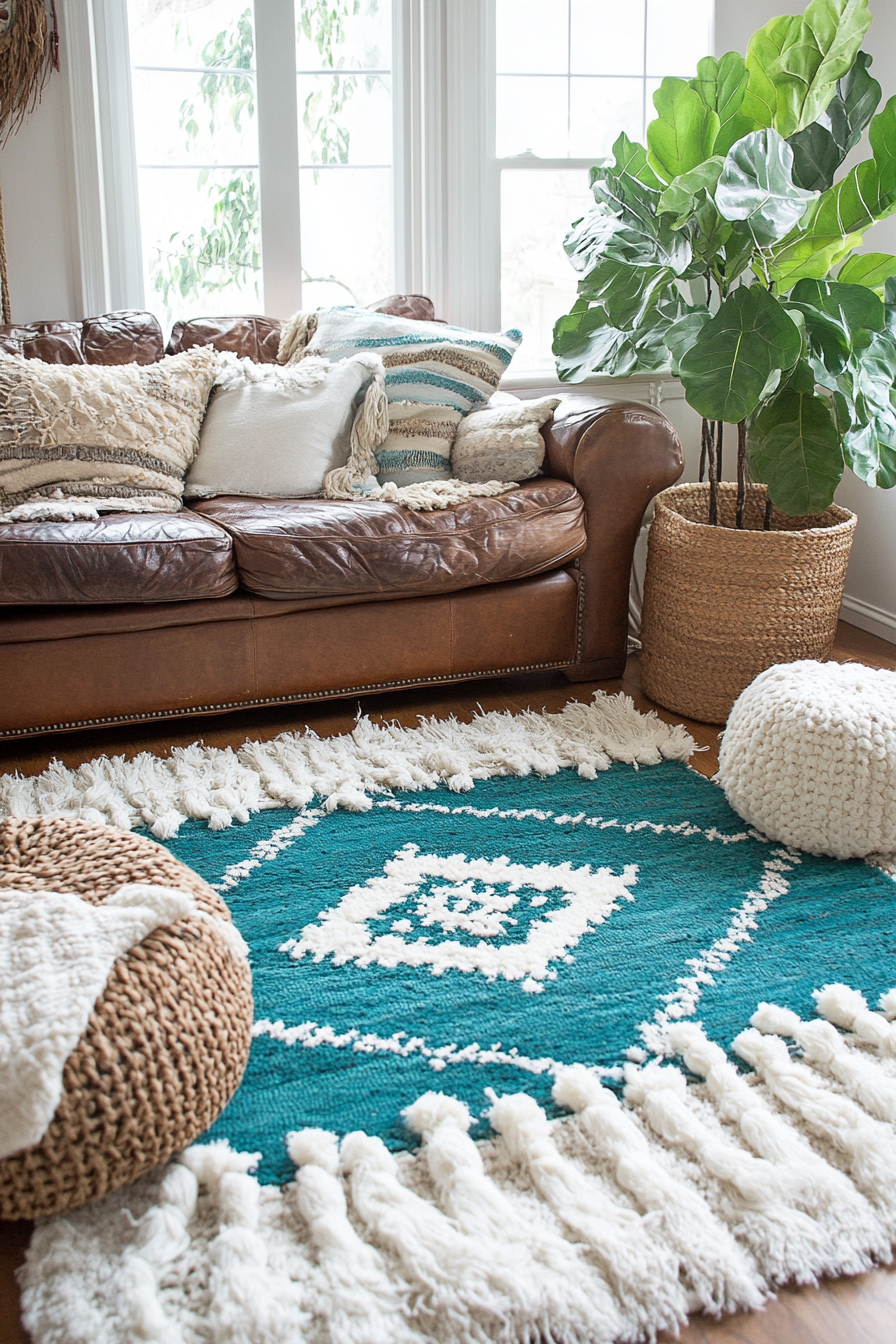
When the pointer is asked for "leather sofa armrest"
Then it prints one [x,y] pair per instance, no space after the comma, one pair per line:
[618,455]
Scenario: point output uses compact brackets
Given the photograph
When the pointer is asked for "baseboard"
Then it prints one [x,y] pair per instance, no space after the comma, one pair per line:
[875,620]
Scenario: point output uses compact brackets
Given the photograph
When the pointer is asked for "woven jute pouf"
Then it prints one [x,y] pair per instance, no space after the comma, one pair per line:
[168,1038]
[723,604]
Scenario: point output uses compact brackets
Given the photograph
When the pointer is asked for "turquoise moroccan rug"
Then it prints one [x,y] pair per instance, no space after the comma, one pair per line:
[479,942]
[548,1049]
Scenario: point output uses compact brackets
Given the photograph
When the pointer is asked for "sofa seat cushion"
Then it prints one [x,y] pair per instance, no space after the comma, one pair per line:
[332,548]
[118,557]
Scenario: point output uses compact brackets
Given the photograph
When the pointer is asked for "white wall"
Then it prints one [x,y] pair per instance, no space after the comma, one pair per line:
[45,278]
[38,213]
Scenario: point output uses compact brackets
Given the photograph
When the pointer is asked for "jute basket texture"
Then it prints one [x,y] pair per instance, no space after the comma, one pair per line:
[167,1041]
[723,604]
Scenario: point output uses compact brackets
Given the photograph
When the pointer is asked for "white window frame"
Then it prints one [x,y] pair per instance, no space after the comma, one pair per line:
[447,230]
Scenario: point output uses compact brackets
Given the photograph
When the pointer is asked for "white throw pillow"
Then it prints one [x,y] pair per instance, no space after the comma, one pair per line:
[277,432]
[502,443]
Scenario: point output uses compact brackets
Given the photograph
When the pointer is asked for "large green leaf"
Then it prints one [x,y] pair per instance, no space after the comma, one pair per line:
[868,268]
[855,307]
[794,446]
[854,104]
[684,131]
[756,186]
[682,334]
[586,341]
[816,157]
[870,443]
[626,226]
[819,149]
[631,158]
[722,85]
[626,292]
[729,364]
[679,197]
[833,224]
[795,62]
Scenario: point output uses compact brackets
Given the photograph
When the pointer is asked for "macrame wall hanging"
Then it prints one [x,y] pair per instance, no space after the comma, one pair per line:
[29,50]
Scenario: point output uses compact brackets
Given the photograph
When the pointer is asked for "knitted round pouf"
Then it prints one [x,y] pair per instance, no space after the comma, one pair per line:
[168,1038]
[809,757]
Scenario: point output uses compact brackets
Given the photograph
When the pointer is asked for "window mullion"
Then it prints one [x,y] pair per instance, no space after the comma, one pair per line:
[278,156]
[471,218]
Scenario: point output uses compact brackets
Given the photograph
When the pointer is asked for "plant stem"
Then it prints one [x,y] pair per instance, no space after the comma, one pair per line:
[704,448]
[741,472]
[715,462]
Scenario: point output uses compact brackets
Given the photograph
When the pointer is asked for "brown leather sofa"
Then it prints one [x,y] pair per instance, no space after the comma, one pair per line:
[244,602]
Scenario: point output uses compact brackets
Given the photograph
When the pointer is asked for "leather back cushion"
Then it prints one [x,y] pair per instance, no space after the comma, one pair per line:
[258,338]
[126,337]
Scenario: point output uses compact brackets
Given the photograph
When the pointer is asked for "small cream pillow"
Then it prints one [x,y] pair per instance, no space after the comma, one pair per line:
[502,443]
[277,433]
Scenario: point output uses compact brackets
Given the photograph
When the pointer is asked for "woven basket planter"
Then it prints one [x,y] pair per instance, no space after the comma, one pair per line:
[168,1038]
[721,604]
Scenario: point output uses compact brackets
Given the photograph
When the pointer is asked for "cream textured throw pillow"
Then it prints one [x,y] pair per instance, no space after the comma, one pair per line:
[282,433]
[502,443]
[80,440]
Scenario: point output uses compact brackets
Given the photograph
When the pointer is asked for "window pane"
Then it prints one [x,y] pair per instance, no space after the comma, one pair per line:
[599,110]
[532,116]
[538,284]
[172,33]
[347,251]
[201,242]
[345,152]
[199,220]
[328,39]
[345,119]
[189,118]
[532,36]
[607,37]
[679,32]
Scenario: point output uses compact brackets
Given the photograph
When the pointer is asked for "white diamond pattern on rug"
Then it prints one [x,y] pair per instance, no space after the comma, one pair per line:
[476,897]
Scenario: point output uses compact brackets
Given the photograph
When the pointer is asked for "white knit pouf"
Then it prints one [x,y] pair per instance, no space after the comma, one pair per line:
[809,757]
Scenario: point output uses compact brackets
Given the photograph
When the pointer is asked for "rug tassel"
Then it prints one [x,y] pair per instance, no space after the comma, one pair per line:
[857,1237]
[868,1145]
[848,1009]
[758,1197]
[825,1049]
[554,1294]
[641,1273]
[720,1276]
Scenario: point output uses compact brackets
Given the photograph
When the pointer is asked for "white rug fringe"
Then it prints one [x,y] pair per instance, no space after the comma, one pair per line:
[222,786]
[606,1225]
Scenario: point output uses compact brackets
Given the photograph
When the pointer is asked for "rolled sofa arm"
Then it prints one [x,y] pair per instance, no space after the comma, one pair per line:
[618,455]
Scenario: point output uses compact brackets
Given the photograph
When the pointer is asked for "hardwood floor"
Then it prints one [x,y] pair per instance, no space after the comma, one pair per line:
[849,1311]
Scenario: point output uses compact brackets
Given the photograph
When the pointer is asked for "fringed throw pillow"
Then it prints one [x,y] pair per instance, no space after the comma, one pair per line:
[286,433]
[80,440]
[424,361]
[435,374]
[502,443]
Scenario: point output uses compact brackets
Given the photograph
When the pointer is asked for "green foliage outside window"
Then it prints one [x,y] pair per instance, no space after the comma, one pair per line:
[226,252]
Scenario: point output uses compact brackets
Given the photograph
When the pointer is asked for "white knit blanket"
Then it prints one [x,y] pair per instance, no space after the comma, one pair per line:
[56,953]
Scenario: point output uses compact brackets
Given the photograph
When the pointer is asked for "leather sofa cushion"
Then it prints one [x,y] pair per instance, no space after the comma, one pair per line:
[119,557]
[258,338]
[115,338]
[331,548]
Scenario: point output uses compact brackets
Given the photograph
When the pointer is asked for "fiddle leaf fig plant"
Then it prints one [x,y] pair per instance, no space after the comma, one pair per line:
[724,252]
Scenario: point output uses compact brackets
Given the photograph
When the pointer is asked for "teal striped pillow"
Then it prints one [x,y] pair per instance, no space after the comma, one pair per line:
[425,361]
